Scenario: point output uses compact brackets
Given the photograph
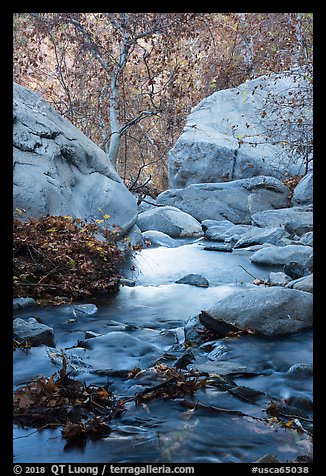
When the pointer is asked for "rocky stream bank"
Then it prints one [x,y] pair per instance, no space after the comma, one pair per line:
[204,354]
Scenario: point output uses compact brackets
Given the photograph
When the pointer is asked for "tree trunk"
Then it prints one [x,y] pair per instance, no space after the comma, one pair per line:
[299,39]
[113,152]
[246,46]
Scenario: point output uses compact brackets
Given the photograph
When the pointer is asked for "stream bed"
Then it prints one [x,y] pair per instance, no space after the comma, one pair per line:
[150,323]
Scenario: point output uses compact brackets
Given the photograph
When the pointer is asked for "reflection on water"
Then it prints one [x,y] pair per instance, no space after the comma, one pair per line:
[166,265]
[136,327]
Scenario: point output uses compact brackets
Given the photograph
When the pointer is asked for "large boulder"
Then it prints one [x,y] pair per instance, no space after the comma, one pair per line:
[259,236]
[296,220]
[270,311]
[303,192]
[282,255]
[59,171]
[235,201]
[171,221]
[244,131]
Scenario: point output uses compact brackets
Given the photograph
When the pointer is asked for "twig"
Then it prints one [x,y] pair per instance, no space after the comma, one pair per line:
[151,203]
[247,272]
[37,429]
[37,284]
[46,275]
[199,404]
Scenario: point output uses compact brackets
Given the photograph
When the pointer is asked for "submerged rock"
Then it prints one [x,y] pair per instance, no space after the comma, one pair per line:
[301,370]
[127,282]
[91,334]
[194,280]
[81,310]
[218,247]
[268,458]
[118,350]
[270,311]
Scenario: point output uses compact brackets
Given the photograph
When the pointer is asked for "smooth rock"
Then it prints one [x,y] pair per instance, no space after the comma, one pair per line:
[258,236]
[282,255]
[231,235]
[134,237]
[220,367]
[296,270]
[278,279]
[32,331]
[306,283]
[227,201]
[303,403]
[83,310]
[215,227]
[171,221]
[194,280]
[218,247]
[127,282]
[147,203]
[303,192]
[23,302]
[59,171]
[157,238]
[227,138]
[271,311]
[307,239]
[119,350]
[91,334]
[301,370]
[295,220]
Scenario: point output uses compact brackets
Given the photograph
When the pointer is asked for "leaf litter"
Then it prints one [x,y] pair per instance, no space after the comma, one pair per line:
[81,410]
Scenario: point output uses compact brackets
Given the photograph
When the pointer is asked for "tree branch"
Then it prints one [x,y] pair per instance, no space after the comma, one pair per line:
[92,46]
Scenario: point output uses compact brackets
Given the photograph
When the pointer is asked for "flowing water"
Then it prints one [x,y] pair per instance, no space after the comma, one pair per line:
[138,327]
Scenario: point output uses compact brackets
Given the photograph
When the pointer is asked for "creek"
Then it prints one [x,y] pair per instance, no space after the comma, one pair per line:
[138,327]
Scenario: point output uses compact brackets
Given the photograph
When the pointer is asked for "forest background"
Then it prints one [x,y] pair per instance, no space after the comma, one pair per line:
[129,80]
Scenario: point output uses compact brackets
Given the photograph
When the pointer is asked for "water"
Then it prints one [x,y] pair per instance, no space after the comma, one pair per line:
[138,326]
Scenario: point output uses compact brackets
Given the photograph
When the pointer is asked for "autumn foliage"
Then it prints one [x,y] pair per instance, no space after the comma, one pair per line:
[82,411]
[147,70]
[58,258]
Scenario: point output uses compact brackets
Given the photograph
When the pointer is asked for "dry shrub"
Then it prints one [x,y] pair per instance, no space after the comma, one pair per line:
[58,258]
